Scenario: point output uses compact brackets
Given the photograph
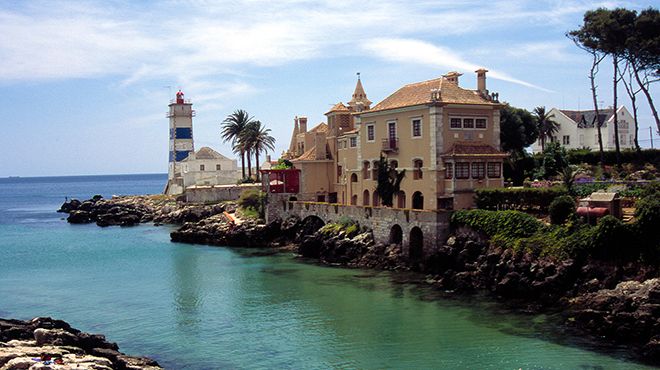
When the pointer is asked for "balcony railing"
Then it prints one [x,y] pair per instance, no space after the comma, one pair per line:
[391,144]
[192,113]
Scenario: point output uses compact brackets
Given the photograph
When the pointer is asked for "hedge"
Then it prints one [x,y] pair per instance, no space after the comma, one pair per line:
[578,156]
[517,198]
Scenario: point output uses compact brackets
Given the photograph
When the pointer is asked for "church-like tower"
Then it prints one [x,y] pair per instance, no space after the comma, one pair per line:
[181,140]
[359,101]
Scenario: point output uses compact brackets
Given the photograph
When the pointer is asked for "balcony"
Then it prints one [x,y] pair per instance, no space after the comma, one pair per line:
[172,114]
[391,144]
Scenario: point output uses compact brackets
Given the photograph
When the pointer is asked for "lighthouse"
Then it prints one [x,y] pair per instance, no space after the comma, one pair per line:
[180,115]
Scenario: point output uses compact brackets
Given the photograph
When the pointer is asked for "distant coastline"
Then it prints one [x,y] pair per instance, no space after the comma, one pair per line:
[83,176]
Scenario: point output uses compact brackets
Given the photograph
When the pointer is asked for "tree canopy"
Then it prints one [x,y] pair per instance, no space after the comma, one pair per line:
[518,129]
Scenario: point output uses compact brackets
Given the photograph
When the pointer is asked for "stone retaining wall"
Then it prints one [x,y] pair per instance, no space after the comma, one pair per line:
[216,193]
[434,225]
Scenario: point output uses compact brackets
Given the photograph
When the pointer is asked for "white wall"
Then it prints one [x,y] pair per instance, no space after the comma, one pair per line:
[588,137]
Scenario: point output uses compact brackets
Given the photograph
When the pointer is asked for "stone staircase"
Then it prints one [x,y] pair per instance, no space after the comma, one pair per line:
[628,214]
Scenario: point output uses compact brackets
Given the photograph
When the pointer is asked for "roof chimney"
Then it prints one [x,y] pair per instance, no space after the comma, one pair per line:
[302,122]
[481,81]
[452,77]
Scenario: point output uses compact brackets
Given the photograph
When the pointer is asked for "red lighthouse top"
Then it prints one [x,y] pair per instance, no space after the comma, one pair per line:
[179,97]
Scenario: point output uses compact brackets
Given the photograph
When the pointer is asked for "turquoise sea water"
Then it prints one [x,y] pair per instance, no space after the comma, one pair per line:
[199,307]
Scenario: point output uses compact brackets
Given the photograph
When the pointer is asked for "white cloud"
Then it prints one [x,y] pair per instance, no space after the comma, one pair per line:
[203,39]
[400,50]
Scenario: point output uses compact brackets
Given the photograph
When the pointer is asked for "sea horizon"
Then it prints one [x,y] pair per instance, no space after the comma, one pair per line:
[82,175]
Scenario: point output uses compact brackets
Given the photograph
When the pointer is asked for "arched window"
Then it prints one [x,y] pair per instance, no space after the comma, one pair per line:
[401,199]
[376,200]
[417,169]
[374,174]
[354,200]
[354,177]
[418,200]
[365,198]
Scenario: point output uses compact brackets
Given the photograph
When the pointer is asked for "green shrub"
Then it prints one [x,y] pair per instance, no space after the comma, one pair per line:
[254,200]
[613,239]
[512,224]
[578,240]
[522,232]
[345,224]
[250,213]
[283,164]
[561,208]
[647,220]
[517,198]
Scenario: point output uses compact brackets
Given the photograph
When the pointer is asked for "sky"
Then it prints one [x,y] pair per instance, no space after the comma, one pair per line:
[87,83]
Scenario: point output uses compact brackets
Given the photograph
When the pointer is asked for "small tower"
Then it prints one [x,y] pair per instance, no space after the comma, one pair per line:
[181,141]
[359,101]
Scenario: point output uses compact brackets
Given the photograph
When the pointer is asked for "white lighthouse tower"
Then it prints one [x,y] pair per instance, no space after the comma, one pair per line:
[181,141]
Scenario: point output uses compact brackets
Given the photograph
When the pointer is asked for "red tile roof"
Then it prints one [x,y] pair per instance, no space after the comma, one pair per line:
[339,107]
[420,93]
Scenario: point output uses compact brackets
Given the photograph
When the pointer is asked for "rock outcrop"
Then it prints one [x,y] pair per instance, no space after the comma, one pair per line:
[629,313]
[45,343]
[133,210]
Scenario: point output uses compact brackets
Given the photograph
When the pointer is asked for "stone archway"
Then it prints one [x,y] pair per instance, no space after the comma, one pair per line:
[418,200]
[365,197]
[310,225]
[396,235]
[416,244]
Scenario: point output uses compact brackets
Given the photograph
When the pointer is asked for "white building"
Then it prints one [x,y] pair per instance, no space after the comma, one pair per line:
[577,129]
[208,167]
[187,167]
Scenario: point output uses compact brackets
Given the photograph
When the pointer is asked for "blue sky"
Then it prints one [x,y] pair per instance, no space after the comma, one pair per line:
[87,83]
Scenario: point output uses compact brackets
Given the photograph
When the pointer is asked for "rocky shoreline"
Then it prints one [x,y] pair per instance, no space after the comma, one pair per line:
[612,300]
[44,343]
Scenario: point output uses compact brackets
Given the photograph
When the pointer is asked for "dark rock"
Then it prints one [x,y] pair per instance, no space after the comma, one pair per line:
[508,286]
[627,313]
[69,206]
[79,217]
[86,206]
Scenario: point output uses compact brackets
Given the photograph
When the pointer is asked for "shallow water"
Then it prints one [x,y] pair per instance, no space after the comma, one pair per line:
[198,307]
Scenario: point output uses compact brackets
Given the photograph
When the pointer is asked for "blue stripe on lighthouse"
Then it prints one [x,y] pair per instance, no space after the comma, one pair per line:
[184,133]
[181,155]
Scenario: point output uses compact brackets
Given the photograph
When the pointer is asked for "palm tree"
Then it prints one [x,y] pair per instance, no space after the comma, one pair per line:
[259,140]
[232,128]
[547,126]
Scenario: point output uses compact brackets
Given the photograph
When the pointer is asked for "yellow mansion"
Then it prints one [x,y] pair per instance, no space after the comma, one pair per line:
[446,137]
